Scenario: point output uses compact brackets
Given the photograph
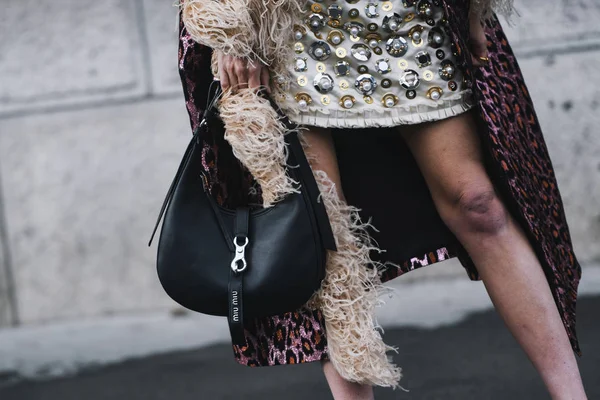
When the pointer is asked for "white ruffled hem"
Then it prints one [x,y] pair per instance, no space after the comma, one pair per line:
[383,117]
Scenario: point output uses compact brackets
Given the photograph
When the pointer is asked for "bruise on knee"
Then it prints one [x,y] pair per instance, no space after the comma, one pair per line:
[482,212]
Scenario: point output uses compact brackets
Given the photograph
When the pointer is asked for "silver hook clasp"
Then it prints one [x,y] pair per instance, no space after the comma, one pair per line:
[240,255]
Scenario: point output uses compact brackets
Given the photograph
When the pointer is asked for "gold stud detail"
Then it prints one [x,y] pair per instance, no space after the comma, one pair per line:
[386,6]
[334,23]
[325,100]
[347,101]
[427,75]
[344,85]
[316,8]
[321,67]
[389,100]
[298,47]
[354,38]
[303,100]
[435,93]
[368,99]
[302,81]
[335,37]
[402,64]
[340,52]
[409,17]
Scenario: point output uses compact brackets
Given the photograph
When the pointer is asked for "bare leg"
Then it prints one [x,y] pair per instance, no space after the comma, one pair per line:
[449,156]
[321,154]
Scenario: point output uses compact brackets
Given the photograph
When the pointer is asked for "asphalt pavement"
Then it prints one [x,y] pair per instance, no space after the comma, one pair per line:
[474,359]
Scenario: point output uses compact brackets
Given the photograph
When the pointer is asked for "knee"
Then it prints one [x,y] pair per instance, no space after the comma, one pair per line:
[479,211]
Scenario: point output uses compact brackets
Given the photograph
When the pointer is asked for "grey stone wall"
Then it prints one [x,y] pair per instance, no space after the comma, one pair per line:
[92,126]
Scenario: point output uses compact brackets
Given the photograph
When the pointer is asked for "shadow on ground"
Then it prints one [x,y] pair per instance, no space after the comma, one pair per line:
[475,359]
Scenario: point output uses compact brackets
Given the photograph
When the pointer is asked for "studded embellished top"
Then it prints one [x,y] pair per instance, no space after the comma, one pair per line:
[360,63]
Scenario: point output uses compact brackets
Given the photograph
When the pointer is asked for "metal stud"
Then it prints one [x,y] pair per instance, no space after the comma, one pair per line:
[353,13]
[396,46]
[298,47]
[386,6]
[319,50]
[354,28]
[335,37]
[365,84]
[373,39]
[325,100]
[347,101]
[452,85]
[340,52]
[300,64]
[304,100]
[371,10]
[428,75]
[316,8]
[334,11]
[402,64]
[362,69]
[302,80]
[416,35]
[341,68]
[344,84]
[411,94]
[323,82]
[386,83]
[409,3]
[434,93]
[383,65]
[409,17]
[320,67]
[334,23]
[389,100]
[360,51]
[316,22]
[368,99]
[425,9]
[378,51]
[447,70]
[440,54]
[372,27]
[435,38]
[423,59]
[409,79]
[299,32]
[392,22]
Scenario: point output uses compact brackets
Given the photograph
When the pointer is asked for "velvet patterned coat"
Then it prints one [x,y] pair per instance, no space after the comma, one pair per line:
[380,176]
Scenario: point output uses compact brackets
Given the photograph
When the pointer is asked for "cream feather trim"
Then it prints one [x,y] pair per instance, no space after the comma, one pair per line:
[256,135]
[348,296]
[351,288]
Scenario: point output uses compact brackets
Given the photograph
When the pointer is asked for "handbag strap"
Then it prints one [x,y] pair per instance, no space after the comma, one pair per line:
[235,318]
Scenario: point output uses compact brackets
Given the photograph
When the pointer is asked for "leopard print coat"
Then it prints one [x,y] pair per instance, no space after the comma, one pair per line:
[515,156]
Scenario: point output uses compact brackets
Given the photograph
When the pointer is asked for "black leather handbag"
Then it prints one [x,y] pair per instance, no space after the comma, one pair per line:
[241,263]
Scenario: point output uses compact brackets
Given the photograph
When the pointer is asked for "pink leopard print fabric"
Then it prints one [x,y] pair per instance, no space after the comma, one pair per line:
[517,156]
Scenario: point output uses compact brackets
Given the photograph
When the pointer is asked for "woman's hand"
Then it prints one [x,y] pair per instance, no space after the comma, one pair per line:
[479,53]
[239,73]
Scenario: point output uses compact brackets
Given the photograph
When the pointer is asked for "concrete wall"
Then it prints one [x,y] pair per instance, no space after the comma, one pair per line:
[92,126]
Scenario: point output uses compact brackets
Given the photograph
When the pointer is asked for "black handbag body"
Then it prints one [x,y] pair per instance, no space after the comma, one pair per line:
[241,263]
